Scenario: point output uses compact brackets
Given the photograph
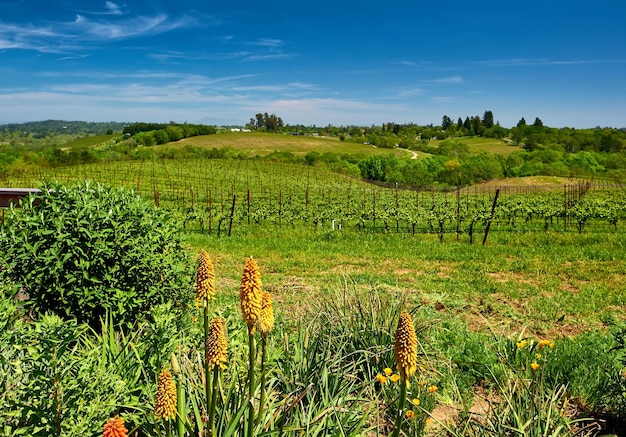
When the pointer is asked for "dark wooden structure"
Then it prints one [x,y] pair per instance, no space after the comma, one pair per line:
[10,196]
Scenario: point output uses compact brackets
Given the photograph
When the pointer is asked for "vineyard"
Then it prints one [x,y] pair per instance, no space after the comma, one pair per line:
[215,196]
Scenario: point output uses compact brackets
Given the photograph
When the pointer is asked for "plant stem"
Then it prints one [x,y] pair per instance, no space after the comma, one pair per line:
[262,397]
[252,356]
[180,399]
[401,402]
[207,371]
[211,423]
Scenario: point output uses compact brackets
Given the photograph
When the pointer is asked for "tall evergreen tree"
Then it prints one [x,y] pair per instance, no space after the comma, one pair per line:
[446,122]
[488,119]
[538,122]
[522,122]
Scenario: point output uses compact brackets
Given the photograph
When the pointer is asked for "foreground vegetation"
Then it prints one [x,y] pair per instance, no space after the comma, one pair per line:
[523,336]
[105,328]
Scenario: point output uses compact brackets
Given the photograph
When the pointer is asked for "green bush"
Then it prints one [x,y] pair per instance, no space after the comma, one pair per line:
[88,249]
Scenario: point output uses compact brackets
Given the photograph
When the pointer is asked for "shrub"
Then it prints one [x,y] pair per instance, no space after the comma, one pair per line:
[88,249]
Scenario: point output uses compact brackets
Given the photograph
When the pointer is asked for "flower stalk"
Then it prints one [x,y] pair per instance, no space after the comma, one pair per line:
[405,354]
[265,324]
[251,297]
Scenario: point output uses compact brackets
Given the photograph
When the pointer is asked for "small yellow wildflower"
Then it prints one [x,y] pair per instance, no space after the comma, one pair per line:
[534,366]
[427,421]
[416,402]
[381,378]
[432,389]
[544,343]
[388,371]
[410,414]
[538,356]
[395,377]
[522,344]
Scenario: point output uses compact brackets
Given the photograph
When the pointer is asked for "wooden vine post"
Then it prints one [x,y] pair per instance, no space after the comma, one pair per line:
[232,215]
[493,211]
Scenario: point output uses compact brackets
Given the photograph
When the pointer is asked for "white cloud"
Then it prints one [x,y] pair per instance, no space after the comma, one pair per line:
[113,8]
[268,42]
[75,35]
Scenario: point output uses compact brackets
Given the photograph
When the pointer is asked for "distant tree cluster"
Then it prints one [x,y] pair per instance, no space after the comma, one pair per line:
[42,129]
[266,122]
[150,134]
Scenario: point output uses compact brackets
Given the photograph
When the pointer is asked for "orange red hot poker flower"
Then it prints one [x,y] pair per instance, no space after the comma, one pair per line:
[251,295]
[115,428]
[205,280]
[165,406]
[405,347]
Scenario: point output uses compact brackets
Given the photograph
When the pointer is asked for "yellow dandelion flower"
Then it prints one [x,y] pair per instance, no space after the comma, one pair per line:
[432,389]
[416,402]
[388,371]
[115,428]
[395,377]
[217,344]
[381,378]
[410,414]
[265,322]
[251,295]
[534,366]
[405,347]
[165,406]
[538,356]
[522,344]
[205,280]
[544,343]
[427,421]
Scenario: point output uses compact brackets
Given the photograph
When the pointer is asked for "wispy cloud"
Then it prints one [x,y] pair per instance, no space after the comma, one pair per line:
[110,8]
[268,42]
[74,35]
[444,99]
[524,62]
[451,79]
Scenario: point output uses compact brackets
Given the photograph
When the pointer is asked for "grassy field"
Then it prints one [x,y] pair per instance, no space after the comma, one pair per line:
[554,284]
[482,315]
[260,143]
[479,144]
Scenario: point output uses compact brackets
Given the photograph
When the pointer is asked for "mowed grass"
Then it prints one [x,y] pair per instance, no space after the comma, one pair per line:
[479,145]
[262,144]
[549,284]
[88,141]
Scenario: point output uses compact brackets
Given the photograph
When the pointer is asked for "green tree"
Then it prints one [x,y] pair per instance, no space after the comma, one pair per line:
[446,122]
[90,249]
[488,119]
[538,122]
[522,122]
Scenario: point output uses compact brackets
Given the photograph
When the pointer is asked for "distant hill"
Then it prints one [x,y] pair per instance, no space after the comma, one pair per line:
[52,127]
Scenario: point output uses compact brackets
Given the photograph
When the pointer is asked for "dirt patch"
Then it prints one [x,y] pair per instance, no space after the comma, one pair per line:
[511,277]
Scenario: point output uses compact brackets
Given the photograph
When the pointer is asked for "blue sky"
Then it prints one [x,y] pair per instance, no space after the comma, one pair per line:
[314,63]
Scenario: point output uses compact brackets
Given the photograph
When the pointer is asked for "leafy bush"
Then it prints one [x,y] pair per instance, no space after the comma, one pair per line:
[88,249]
